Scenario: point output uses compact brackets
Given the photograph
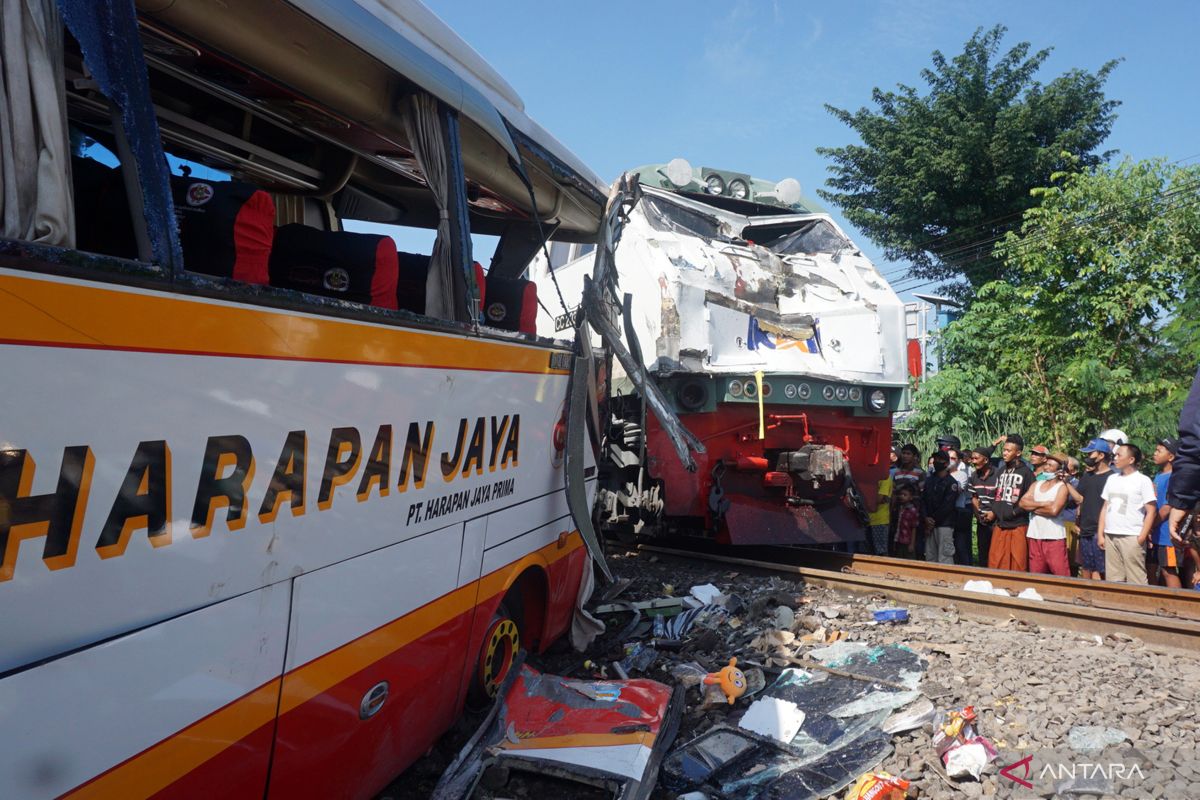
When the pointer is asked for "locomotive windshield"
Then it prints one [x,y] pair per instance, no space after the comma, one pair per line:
[817,236]
[668,217]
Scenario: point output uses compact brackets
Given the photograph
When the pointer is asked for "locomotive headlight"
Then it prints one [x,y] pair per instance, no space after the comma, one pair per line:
[715,184]
[827,392]
[803,391]
[735,389]
[842,392]
[855,393]
[789,391]
[750,390]
[739,189]
[692,395]
[767,389]
[877,400]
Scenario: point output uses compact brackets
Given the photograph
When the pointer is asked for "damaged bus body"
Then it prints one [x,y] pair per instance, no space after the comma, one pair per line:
[777,342]
[275,499]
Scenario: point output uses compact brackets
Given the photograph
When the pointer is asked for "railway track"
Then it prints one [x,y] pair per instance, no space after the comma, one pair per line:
[1162,617]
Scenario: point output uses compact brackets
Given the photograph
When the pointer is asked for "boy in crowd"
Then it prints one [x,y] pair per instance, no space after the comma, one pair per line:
[1126,518]
[981,486]
[939,503]
[908,519]
[1089,495]
[1166,554]
[1008,537]
[1047,534]
[908,471]
[879,519]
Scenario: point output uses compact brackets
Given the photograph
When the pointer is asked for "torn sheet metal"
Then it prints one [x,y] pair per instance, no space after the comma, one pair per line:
[684,442]
[577,498]
[601,733]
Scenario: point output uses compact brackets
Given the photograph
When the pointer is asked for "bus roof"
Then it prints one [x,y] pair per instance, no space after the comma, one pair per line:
[350,64]
[417,43]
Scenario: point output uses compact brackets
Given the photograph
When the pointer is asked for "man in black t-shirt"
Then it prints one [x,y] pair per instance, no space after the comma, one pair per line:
[1098,455]
[981,491]
[1008,550]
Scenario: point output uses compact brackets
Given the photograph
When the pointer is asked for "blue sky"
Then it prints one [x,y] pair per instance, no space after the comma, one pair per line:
[742,85]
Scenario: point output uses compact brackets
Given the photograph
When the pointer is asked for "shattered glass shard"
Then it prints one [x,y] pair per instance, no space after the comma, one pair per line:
[797,779]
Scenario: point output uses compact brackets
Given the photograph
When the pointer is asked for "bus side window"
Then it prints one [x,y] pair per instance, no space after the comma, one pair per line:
[102,221]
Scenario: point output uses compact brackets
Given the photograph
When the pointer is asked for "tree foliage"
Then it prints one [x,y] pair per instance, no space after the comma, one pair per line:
[1097,326]
[942,175]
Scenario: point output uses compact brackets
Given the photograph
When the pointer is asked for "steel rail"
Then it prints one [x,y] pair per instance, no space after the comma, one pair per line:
[1151,628]
[1175,603]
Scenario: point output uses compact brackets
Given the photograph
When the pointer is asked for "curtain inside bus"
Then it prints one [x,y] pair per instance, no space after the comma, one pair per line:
[35,178]
[434,141]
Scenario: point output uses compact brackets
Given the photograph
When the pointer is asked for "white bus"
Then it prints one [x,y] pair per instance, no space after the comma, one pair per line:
[276,499]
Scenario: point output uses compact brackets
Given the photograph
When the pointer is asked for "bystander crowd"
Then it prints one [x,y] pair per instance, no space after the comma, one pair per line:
[1008,548]
[939,504]
[1046,536]
[1126,518]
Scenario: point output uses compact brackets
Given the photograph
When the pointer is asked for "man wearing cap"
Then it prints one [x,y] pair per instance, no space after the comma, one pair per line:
[1166,555]
[1047,534]
[1037,457]
[981,487]
[1008,550]
[1088,494]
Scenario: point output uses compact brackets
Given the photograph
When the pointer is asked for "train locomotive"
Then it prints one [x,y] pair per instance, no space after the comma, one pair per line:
[774,340]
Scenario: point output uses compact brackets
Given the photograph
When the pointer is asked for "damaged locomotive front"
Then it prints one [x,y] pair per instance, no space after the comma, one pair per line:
[778,344]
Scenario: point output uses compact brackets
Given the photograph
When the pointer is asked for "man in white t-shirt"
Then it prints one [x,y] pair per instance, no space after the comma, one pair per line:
[1126,518]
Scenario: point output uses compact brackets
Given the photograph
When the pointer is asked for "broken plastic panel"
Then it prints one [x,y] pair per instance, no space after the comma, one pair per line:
[601,734]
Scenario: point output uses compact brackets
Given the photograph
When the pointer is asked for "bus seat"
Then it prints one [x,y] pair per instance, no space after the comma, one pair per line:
[511,304]
[414,271]
[102,221]
[410,288]
[226,228]
[360,267]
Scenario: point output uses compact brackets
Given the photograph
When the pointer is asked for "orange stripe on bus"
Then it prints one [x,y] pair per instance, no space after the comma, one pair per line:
[581,740]
[172,758]
[49,313]
[325,672]
[157,768]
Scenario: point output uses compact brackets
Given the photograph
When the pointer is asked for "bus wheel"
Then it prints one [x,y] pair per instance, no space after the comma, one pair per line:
[500,645]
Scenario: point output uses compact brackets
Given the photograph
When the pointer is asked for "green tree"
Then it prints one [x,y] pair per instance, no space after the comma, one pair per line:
[1096,328]
[942,175]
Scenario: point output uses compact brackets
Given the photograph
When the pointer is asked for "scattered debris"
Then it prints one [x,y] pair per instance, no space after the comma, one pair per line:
[1030,593]
[878,786]
[621,730]
[770,716]
[865,692]
[1091,738]
[917,715]
[730,680]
